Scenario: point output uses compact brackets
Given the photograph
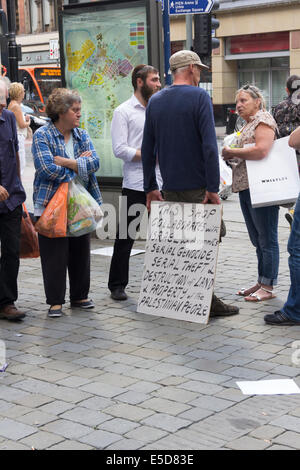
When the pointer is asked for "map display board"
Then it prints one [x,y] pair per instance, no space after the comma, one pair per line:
[101,48]
[180,261]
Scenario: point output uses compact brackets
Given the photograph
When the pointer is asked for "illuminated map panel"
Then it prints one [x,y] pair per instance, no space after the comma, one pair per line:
[101,48]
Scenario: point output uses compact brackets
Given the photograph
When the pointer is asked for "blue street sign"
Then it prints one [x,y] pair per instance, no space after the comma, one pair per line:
[190,7]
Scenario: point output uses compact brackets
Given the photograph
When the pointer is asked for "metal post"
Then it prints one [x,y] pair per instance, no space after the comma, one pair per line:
[167,43]
[189,31]
[12,45]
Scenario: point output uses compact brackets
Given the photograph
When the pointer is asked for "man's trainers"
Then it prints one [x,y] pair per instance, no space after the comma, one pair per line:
[11,313]
[278,318]
[219,309]
[118,294]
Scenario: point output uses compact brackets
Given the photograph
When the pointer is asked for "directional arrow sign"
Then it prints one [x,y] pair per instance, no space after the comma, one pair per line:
[190,7]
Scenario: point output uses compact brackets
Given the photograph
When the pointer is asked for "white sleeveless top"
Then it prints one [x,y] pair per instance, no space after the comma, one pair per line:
[22,131]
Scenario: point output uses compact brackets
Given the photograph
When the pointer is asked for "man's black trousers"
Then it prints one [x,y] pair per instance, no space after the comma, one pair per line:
[10,232]
[119,268]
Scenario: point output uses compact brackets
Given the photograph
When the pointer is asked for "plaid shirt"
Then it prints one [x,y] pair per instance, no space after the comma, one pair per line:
[48,142]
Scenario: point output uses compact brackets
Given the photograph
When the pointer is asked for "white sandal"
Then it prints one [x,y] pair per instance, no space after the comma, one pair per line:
[254,297]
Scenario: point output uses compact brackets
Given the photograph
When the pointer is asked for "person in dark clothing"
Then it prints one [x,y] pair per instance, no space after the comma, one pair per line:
[127,133]
[287,112]
[289,314]
[12,195]
[287,117]
[180,127]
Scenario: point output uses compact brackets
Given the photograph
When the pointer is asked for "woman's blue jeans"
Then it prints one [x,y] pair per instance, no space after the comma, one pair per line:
[262,225]
[292,306]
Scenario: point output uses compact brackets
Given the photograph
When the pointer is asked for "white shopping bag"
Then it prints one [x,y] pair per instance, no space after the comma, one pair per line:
[275,179]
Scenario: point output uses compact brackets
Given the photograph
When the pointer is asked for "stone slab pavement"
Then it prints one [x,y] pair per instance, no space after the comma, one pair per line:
[112,378]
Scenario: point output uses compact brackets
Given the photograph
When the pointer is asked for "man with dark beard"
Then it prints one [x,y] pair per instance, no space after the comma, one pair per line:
[127,134]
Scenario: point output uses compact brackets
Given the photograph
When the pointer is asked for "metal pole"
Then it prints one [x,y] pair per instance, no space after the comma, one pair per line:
[167,44]
[12,45]
[189,31]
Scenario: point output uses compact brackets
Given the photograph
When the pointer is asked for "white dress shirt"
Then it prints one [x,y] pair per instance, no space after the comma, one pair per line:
[127,134]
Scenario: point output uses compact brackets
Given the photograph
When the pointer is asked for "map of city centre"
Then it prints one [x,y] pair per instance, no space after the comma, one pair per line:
[101,50]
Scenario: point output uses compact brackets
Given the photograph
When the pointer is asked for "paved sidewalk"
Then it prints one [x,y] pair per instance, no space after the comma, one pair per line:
[112,378]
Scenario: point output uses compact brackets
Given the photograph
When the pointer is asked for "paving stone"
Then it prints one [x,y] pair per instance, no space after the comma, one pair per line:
[176,394]
[166,422]
[100,439]
[67,429]
[102,389]
[126,444]
[15,430]
[56,407]
[162,405]
[71,445]
[133,413]
[279,447]
[37,418]
[212,403]
[13,445]
[97,403]
[291,423]
[85,416]
[133,398]
[248,443]
[266,432]
[289,438]
[207,377]
[41,440]
[15,411]
[118,426]
[146,434]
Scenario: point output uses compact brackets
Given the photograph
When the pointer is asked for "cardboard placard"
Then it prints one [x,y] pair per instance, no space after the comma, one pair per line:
[180,261]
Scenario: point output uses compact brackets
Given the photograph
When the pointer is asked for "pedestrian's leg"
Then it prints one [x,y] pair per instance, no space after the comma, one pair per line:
[266,222]
[79,267]
[10,230]
[246,207]
[119,268]
[54,261]
[292,305]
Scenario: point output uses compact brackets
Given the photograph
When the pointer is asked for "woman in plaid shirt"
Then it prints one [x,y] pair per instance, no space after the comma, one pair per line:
[61,152]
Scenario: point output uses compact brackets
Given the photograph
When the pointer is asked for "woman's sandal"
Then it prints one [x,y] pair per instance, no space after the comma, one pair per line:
[245,292]
[254,297]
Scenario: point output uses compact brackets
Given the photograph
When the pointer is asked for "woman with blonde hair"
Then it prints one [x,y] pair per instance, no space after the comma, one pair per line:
[254,143]
[16,94]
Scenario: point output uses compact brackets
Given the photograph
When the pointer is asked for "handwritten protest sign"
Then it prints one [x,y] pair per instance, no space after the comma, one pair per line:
[180,261]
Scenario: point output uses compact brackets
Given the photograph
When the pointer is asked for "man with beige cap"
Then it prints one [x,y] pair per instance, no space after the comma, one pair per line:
[179,128]
[12,196]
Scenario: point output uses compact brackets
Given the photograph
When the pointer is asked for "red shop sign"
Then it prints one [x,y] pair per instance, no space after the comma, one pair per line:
[264,42]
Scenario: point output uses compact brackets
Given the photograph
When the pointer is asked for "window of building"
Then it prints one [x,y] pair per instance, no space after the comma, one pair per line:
[42,14]
[269,75]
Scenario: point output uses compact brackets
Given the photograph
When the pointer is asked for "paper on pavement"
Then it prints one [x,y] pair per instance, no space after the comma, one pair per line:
[108,251]
[269,387]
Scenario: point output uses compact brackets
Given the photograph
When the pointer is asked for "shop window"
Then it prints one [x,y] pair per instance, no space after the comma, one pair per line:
[269,75]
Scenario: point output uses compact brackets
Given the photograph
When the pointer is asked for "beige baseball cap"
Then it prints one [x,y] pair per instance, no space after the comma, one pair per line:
[185,58]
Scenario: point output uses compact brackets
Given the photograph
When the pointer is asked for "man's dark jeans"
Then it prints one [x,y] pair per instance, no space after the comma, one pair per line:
[10,232]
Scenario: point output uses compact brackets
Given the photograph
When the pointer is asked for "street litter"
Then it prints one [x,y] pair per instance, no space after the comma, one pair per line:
[108,251]
[269,387]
